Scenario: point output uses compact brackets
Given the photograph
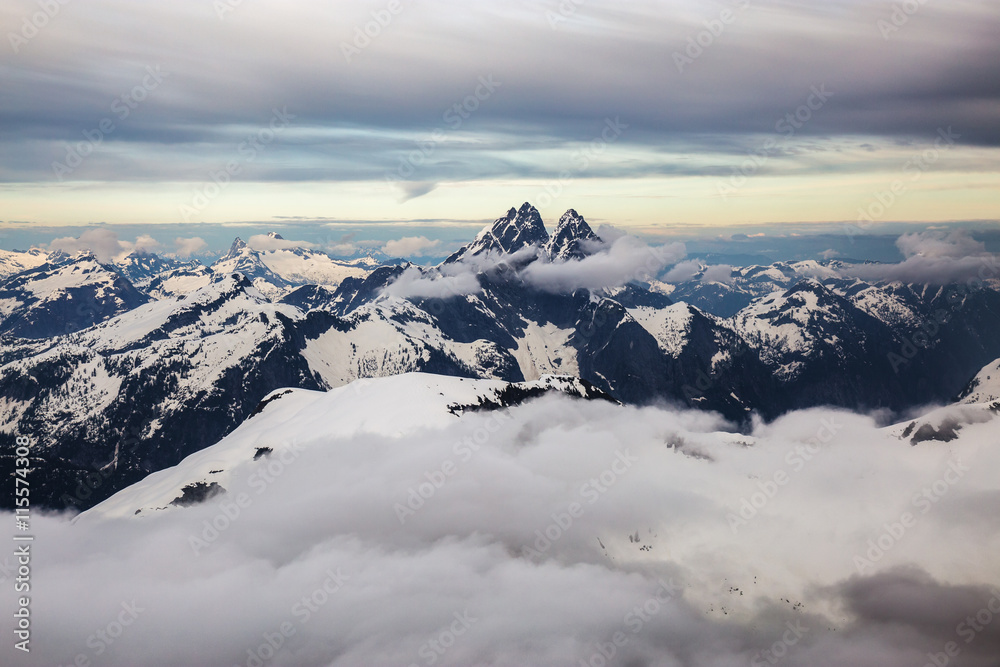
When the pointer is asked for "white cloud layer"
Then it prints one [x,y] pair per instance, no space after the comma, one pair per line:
[410,246]
[189,246]
[416,284]
[264,242]
[321,550]
[718,273]
[626,259]
[104,243]
[683,271]
[934,258]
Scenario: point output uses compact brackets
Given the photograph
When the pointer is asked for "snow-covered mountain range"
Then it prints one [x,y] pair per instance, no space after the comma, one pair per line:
[129,367]
[273,271]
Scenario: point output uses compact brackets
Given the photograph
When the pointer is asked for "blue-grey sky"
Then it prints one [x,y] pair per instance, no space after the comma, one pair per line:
[651,115]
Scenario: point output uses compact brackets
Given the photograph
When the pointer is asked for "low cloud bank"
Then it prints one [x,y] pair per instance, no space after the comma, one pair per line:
[108,247]
[104,243]
[410,246]
[626,259]
[266,242]
[553,534]
[933,258]
[414,283]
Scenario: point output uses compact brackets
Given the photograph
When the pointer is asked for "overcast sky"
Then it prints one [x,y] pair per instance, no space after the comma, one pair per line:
[640,113]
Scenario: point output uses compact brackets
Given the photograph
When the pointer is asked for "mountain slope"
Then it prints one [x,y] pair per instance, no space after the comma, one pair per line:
[13,262]
[179,281]
[53,299]
[138,387]
[420,401]
[985,387]
[822,349]
[141,267]
[140,391]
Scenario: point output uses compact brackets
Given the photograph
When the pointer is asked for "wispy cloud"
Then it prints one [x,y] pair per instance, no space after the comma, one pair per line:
[104,243]
[935,258]
[411,246]
[625,260]
[189,246]
[268,242]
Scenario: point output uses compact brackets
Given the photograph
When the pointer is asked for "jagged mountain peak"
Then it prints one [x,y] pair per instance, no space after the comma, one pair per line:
[239,256]
[275,235]
[239,245]
[140,266]
[809,285]
[572,239]
[244,259]
[84,256]
[527,210]
[519,228]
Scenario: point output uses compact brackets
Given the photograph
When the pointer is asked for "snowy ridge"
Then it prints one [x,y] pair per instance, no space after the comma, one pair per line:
[790,326]
[303,266]
[13,262]
[985,387]
[886,305]
[307,267]
[180,281]
[275,272]
[670,326]
[279,426]
[55,298]
[141,267]
[978,403]
[228,303]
